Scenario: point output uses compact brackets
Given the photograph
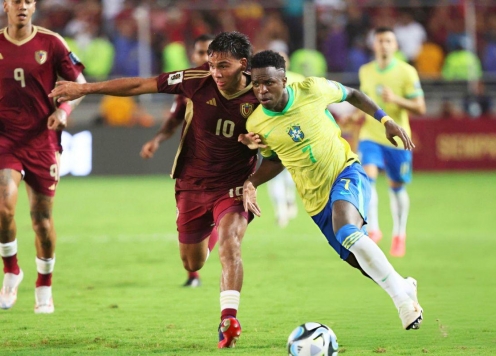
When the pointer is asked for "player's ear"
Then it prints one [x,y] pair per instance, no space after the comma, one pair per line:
[244,63]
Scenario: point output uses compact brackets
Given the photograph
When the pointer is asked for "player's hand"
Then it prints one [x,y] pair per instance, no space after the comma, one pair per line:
[66,91]
[58,120]
[394,130]
[250,198]
[388,96]
[252,140]
[149,149]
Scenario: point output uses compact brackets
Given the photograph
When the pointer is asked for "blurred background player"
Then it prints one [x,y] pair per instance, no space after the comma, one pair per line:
[31,58]
[282,189]
[395,86]
[173,120]
[211,165]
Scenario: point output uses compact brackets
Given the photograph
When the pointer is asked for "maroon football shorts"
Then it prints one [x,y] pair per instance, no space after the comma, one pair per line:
[199,211]
[40,168]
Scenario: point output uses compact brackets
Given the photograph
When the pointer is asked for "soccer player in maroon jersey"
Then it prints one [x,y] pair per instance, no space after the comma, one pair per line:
[211,165]
[169,126]
[31,58]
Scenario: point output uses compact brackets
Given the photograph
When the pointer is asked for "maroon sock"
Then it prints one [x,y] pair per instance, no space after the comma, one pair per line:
[212,240]
[10,264]
[193,275]
[228,313]
[44,280]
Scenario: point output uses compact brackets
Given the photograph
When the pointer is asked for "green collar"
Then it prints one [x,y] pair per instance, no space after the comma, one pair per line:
[391,65]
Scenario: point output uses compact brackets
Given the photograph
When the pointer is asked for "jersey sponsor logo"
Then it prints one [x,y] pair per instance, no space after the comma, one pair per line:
[246,109]
[295,133]
[74,59]
[175,78]
[212,102]
[40,56]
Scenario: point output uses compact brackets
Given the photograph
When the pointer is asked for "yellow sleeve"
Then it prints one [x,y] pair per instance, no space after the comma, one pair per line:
[413,88]
[333,91]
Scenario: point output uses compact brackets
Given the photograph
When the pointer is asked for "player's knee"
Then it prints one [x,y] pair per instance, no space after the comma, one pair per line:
[348,235]
[192,265]
[42,224]
[6,215]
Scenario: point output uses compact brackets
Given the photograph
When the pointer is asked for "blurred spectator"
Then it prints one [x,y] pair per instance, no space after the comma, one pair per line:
[449,110]
[489,52]
[410,34]
[174,57]
[273,30]
[126,45]
[429,62]
[248,17]
[123,111]
[478,103]
[357,22]
[439,24]
[357,55]
[462,64]
[293,16]
[309,63]
[335,44]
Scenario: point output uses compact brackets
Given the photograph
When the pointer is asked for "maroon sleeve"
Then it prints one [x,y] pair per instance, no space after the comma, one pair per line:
[67,64]
[184,82]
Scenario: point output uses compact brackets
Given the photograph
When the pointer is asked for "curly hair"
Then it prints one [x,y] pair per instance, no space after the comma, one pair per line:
[234,43]
[268,59]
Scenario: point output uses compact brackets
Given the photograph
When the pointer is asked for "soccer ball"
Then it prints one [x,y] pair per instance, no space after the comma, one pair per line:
[312,339]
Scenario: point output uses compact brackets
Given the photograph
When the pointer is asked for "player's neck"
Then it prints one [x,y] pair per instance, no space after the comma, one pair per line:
[383,63]
[19,33]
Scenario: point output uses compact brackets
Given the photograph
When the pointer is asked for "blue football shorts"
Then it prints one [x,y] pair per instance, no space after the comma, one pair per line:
[397,163]
[353,186]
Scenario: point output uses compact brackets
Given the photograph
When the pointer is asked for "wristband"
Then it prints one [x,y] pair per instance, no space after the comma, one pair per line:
[66,107]
[380,115]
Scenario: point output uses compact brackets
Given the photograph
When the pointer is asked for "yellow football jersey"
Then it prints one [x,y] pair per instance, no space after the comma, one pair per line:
[403,80]
[306,138]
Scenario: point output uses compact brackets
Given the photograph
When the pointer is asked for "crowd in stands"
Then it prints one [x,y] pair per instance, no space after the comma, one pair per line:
[103,33]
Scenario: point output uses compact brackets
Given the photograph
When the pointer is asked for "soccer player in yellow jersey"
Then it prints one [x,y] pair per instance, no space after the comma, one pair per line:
[395,86]
[298,132]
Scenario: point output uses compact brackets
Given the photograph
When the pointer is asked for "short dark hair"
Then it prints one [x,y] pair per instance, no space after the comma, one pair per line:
[268,58]
[383,29]
[235,43]
[203,38]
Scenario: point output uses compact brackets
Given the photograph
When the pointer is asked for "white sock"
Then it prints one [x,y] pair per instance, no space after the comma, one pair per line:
[375,264]
[45,265]
[400,205]
[229,299]
[8,249]
[373,214]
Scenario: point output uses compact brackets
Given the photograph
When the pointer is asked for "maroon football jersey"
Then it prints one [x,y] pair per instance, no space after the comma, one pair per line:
[178,108]
[209,155]
[28,72]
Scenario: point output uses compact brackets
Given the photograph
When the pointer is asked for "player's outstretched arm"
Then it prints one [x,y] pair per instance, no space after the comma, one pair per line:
[58,119]
[367,105]
[169,126]
[267,170]
[67,91]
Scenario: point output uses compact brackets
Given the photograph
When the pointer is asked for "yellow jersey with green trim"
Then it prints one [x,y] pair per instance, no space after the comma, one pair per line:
[306,138]
[403,80]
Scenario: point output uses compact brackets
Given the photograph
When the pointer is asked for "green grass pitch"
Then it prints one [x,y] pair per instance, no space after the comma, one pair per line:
[118,275]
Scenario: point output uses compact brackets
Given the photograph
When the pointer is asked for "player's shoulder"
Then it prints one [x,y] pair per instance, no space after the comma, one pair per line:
[200,72]
[51,36]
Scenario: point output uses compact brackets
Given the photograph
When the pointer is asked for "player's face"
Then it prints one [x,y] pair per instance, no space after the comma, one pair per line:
[268,85]
[19,12]
[385,45]
[200,54]
[227,71]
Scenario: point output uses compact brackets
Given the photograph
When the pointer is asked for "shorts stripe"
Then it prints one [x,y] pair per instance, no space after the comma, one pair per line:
[351,239]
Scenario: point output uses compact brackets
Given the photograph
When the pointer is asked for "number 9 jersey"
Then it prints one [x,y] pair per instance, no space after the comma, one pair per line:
[306,138]
[28,72]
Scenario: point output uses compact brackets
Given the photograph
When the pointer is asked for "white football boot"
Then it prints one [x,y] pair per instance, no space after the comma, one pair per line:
[411,313]
[8,294]
[44,300]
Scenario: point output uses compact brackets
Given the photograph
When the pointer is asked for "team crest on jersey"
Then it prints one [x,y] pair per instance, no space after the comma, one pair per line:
[246,109]
[40,56]
[295,133]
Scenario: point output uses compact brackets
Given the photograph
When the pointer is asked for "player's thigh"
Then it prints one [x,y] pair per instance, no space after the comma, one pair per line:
[10,178]
[372,157]
[398,165]
[41,172]
[230,216]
